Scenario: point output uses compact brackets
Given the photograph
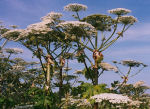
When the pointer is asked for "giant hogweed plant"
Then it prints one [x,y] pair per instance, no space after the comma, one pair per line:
[48,44]
[97,40]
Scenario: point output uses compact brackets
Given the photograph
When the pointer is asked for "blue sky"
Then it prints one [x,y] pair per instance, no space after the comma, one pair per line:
[135,44]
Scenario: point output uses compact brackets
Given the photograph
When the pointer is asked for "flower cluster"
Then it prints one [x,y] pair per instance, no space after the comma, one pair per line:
[112,98]
[75,7]
[42,27]
[83,102]
[108,67]
[51,16]
[77,28]
[132,63]
[25,106]
[67,68]
[18,67]
[14,50]
[12,34]
[139,83]
[78,72]
[135,103]
[37,28]
[13,26]
[76,23]
[119,11]
[78,102]
[127,19]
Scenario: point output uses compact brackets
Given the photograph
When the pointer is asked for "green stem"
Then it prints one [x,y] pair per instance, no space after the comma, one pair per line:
[96,74]
[9,56]
[91,43]
[48,75]
[137,72]
[96,40]
[5,42]
[61,78]
[86,47]
[113,41]
[86,64]
[127,27]
[110,43]
[40,57]
[88,59]
[101,73]
[113,31]
[61,52]
[55,49]
[96,81]
[78,16]
[125,81]
[128,71]
[102,44]
[119,70]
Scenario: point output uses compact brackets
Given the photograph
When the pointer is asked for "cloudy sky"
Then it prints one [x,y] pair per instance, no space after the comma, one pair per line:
[135,44]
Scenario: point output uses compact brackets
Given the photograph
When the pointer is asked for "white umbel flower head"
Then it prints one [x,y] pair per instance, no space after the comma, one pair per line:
[36,29]
[135,103]
[13,26]
[14,50]
[127,19]
[67,68]
[132,63]
[17,67]
[108,67]
[112,98]
[119,11]
[77,27]
[51,16]
[78,102]
[138,84]
[75,7]
[78,72]
[76,23]
[12,34]
[83,102]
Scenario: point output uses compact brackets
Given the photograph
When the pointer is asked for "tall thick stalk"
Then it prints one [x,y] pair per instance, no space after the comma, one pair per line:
[48,80]
[96,81]
[96,40]
[48,75]
[60,84]
[61,65]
